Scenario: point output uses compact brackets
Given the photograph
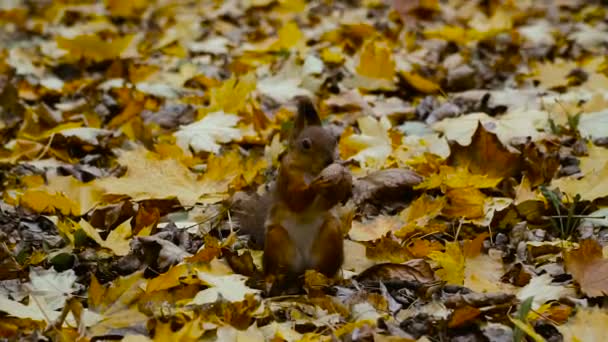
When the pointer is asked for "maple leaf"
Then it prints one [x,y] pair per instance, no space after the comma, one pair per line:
[118,241]
[375,228]
[375,68]
[229,287]
[483,274]
[589,324]
[373,146]
[465,202]
[452,263]
[207,133]
[231,96]
[552,75]
[63,194]
[542,289]
[486,155]
[590,187]
[589,268]
[149,177]
[93,47]
[116,304]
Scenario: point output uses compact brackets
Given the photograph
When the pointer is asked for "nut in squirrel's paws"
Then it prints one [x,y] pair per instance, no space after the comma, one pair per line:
[332,174]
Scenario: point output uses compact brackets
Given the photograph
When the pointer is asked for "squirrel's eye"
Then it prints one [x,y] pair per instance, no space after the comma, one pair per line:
[306,144]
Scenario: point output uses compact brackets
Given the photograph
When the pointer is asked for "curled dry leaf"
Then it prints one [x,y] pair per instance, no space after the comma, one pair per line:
[416,270]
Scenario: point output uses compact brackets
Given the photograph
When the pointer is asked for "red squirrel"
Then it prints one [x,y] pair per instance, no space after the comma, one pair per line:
[302,228]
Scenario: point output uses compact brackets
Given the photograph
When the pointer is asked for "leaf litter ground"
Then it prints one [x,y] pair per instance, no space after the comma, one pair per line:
[137,136]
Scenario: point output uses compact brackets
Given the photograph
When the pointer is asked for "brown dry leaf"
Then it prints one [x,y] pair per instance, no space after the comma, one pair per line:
[463,315]
[388,249]
[589,268]
[486,155]
[412,270]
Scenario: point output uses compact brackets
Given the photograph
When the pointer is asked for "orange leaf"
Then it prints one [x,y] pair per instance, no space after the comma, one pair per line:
[472,248]
[486,155]
[463,315]
[422,248]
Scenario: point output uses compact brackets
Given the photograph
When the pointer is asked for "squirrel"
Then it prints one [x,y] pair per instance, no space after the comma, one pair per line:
[302,228]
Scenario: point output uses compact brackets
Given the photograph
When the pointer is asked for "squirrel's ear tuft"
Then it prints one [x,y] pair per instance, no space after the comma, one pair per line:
[307,114]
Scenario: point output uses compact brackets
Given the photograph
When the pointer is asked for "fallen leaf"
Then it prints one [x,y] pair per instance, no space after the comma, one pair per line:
[373,146]
[375,228]
[552,75]
[93,47]
[589,324]
[452,263]
[465,202]
[542,290]
[588,267]
[590,187]
[486,155]
[463,315]
[207,133]
[229,287]
[149,177]
[118,241]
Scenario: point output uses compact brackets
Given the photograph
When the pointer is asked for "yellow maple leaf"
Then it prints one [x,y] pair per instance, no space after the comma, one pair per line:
[64,194]
[117,241]
[451,262]
[457,177]
[376,60]
[231,96]
[591,186]
[289,35]
[465,202]
[373,146]
[149,177]
[419,215]
[551,75]
[589,324]
[91,46]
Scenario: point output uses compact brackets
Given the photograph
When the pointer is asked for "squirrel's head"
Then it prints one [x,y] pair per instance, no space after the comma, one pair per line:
[312,146]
